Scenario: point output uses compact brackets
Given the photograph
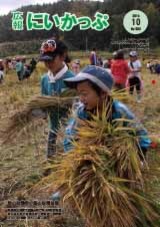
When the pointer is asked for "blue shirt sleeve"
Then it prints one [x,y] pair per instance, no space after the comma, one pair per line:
[142,134]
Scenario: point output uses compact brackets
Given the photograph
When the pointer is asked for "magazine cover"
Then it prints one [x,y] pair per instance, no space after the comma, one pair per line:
[79,113]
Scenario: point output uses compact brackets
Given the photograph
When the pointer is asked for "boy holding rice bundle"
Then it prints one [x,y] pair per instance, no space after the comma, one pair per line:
[102,176]
[94,85]
[53,53]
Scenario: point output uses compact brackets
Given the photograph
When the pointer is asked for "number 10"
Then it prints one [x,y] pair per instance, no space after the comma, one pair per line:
[136,21]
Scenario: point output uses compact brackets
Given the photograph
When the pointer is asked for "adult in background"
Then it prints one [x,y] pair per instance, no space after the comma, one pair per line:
[1,71]
[27,71]
[33,64]
[93,57]
[75,66]
[99,61]
[150,66]
[14,63]
[8,64]
[135,76]
[19,69]
[157,68]
[120,70]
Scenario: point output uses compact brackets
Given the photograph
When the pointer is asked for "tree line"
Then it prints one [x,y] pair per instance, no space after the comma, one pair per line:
[87,39]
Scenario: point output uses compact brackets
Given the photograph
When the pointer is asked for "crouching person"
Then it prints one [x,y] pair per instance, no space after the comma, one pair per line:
[94,85]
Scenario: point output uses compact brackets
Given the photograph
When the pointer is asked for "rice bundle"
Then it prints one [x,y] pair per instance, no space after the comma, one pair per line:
[60,103]
[102,175]
[34,109]
[121,95]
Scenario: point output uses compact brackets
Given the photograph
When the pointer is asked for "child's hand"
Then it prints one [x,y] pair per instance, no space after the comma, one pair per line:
[39,113]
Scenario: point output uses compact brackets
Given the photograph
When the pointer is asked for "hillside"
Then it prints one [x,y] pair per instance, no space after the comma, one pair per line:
[87,38]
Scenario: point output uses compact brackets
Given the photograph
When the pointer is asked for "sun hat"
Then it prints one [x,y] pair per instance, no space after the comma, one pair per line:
[133,53]
[96,75]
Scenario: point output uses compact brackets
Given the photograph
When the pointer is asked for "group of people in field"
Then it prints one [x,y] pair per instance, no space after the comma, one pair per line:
[126,74]
[22,69]
[93,85]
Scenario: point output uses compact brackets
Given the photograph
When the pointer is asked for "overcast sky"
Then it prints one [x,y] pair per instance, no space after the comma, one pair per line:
[9,5]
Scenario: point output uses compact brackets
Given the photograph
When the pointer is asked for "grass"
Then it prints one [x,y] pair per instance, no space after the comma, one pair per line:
[22,161]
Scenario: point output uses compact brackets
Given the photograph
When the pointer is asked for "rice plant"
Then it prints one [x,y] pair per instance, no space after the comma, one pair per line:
[103,177]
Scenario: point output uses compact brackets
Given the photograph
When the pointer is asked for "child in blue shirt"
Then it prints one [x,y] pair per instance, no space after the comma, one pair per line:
[53,54]
[19,69]
[94,85]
